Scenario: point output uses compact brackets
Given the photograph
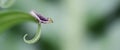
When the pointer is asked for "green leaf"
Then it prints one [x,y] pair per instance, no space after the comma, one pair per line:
[10,18]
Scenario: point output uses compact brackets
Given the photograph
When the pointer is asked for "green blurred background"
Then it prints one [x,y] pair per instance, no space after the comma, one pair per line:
[78,25]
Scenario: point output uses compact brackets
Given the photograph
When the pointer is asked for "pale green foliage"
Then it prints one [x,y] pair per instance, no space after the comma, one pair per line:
[6,3]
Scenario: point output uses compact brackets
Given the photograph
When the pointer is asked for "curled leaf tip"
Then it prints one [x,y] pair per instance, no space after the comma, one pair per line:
[35,38]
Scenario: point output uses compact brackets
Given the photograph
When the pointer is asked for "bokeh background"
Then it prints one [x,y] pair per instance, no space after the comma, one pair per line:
[78,25]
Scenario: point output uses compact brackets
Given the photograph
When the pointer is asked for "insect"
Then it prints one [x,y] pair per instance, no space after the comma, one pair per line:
[41,18]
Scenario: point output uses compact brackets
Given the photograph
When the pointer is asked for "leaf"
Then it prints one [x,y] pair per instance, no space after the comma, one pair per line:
[10,18]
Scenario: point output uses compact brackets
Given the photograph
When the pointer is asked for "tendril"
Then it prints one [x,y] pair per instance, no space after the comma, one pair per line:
[35,38]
